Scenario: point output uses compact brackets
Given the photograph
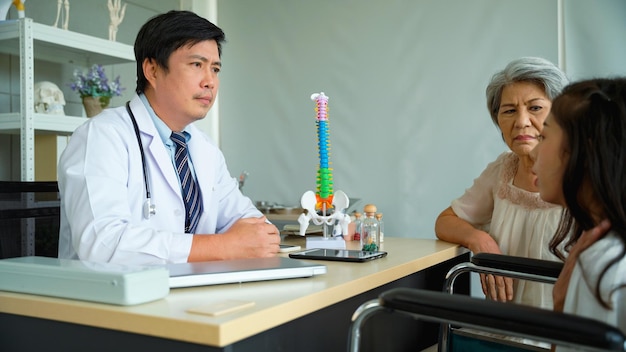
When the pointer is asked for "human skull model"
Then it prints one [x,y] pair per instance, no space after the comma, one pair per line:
[49,98]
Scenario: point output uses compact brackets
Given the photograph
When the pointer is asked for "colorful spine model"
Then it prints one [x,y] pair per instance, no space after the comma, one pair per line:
[324,194]
[324,206]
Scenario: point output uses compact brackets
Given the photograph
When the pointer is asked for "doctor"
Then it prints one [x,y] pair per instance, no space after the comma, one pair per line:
[120,184]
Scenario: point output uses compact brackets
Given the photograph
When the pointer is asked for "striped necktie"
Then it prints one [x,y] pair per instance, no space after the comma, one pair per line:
[191,192]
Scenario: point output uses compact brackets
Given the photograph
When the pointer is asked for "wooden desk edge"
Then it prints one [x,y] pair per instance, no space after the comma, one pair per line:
[121,318]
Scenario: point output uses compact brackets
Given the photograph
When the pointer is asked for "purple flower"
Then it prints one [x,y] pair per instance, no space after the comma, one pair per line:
[94,83]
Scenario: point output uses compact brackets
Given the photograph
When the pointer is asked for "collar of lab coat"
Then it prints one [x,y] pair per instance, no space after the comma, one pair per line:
[153,146]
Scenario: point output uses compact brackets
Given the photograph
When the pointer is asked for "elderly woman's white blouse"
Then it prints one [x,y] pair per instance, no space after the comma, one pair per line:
[520,222]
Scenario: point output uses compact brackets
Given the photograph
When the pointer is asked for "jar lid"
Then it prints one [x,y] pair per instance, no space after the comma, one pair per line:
[369,208]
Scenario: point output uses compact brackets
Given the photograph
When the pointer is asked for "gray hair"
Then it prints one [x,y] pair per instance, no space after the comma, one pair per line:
[526,69]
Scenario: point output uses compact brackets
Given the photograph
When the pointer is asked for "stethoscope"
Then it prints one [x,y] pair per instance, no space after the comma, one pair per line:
[149,209]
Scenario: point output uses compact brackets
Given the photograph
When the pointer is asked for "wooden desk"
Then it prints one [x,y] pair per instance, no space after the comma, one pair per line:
[308,314]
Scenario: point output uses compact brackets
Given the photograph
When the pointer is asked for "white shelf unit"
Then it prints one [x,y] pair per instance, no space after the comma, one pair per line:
[30,41]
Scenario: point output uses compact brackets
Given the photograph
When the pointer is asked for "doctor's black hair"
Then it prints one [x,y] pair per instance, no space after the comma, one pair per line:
[165,33]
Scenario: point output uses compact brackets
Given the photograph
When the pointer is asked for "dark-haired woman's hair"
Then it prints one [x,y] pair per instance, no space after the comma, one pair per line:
[592,115]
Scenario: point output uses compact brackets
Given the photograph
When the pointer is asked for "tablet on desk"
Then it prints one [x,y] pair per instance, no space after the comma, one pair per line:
[344,255]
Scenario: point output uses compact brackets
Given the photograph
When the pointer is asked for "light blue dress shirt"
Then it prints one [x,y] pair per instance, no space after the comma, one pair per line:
[165,133]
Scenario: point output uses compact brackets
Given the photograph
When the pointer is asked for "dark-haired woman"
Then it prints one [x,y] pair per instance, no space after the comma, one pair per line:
[580,164]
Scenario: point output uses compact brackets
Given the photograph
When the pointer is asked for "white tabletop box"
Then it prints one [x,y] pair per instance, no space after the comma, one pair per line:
[82,280]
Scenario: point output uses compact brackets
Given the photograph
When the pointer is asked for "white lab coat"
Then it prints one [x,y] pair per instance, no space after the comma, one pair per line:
[103,194]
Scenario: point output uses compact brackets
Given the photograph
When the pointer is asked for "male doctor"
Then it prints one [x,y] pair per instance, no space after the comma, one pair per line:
[180,202]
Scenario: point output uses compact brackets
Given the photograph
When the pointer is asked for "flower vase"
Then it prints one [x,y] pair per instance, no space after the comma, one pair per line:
[93,105]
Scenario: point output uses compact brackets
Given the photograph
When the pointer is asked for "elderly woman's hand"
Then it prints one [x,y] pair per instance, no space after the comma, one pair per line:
[497,288]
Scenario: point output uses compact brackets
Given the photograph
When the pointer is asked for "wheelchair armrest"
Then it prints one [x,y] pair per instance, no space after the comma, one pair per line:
[506,318]
[519,264]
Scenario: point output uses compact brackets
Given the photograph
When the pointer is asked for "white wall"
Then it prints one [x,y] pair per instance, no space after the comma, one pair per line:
[595,38]
[409,127]
[406,80]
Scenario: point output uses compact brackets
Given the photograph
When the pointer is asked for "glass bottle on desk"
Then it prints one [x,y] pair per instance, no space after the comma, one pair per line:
[370,229]
[357,227]
[381,228]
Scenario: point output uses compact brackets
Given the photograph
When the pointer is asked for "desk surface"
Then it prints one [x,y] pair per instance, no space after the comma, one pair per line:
[276,302]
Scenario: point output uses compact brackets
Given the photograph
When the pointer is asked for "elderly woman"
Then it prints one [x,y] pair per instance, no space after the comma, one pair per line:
[502,211]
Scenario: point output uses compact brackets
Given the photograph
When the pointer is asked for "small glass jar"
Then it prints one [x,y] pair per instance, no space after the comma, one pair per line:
[381,227]
[357,227]
[370,230]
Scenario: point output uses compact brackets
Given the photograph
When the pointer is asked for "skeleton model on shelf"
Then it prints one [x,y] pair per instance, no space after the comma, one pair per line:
[49,98]
[323,207]
[63,13]
[116,13]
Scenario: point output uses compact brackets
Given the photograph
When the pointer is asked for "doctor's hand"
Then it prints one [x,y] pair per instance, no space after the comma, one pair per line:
[247,238]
